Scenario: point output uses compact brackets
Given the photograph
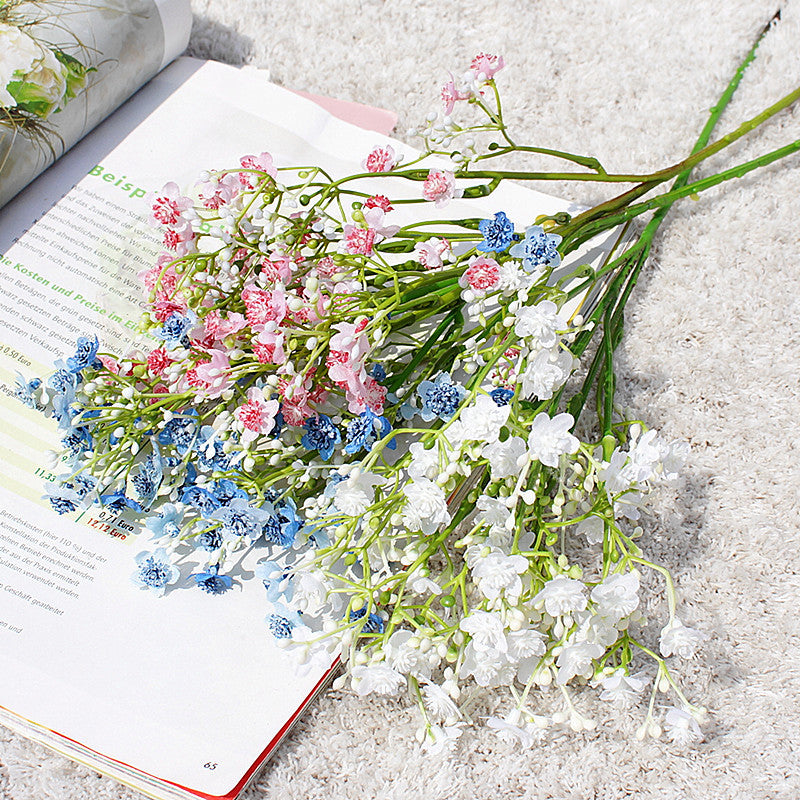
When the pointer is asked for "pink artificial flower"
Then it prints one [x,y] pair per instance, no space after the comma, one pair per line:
[263,306]
[381,159]
[168,205]
[256,416]
[268,347]
[379,201]
[262,163]
[487,65]
[212,375]
[350,339]
[219,192]
[162,276]
[326,267]
[179,239]
[164,307]
[374,219]
[451,95]
[439,187]
[431,253]
[157,361]
[277,268]
[481,275]
[369,395]
[359,240]
[111,364]
[216,327]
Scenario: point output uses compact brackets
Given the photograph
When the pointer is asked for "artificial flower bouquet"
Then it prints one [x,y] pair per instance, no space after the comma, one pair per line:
[395,417]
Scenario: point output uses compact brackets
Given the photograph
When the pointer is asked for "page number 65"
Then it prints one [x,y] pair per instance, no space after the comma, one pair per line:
[210,765]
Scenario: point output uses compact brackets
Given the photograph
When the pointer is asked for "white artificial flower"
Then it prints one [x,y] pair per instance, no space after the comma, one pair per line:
[506,458]
[354,495]
[673,457]
[487,667]
[421,585]
[644,457]
[539,323]
[597,630]
[620,688]
[491,510]
[377,679]
[511,728]
[550,438]
[49,76]
[679,639]
[405,658]
[682,727]
[546,372]
[593,528]
[495,573]
[525,643]
[309,591]
[486,630]
[438,702]
[424,463]
[562,595]
[442,738]
[312,652]
[612,473]
[483,418]
[426,509]
[617,596]
[576,659]
[628,505]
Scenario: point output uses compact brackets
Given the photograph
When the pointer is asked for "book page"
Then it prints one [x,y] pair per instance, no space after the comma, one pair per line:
[122,43]
[188,688]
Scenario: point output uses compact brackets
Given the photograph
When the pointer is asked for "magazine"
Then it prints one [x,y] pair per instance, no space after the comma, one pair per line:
[187,694]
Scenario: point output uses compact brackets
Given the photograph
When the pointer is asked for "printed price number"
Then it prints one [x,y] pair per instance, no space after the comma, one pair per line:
[210,765]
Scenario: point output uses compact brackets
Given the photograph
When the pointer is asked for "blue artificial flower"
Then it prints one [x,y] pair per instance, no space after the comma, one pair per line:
[82,484]
[378,372]
[322,435]
[64,499]
[146,482]
[537,249]
[226,490]
[240,519]
[201,499]
[276,580]
[282,524]
[210,456]
[78,440]
[280,627]
[85,354]
[63,379]
[175,328]
[118,501]
[498,233]
[440,397]
[154,571]
[167,523]
[365,430]
[212,582]
[178,432]
[210,540]
[24,391]
[501,395]
[373,624]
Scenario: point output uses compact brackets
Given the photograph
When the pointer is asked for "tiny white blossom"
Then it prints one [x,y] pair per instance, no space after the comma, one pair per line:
[355,495]
[426,509]
[378,679]
[495,573]
[682,727]
[486,630]
[620,688]
[405,658]
[511,728]
[506,458]
[617,596]
[593,528]
[483,418]
[491,510]
[540,323]
[424,463]
[487,667]
[562,595]
[546,372]
[679,639]
[442,738]
[421,585]
[525,643]
[550,438]
[438,702]
[309,591]
[576,659]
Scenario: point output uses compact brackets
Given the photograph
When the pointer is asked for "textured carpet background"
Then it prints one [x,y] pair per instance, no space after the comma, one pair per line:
[711,356]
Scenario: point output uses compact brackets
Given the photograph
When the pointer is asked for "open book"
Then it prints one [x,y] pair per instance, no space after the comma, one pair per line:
[185,695]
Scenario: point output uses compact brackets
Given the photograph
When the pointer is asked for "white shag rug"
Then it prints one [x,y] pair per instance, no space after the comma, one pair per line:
[711,355]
